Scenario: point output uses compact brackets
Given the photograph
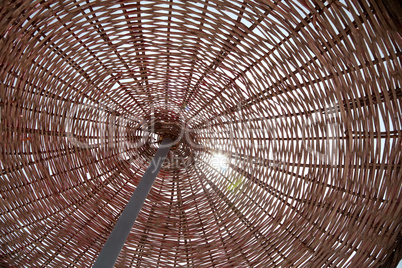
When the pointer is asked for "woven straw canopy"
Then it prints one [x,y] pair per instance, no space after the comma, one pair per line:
[286,115]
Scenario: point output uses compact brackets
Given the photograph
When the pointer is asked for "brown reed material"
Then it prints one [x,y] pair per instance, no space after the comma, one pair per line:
[300,99]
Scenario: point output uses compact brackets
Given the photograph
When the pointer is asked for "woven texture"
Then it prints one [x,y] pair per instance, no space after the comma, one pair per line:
[286,116]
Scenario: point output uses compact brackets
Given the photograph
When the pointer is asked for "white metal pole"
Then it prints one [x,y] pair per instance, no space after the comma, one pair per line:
[111,250]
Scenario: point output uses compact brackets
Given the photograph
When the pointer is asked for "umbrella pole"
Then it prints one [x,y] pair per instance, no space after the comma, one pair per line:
[111,250]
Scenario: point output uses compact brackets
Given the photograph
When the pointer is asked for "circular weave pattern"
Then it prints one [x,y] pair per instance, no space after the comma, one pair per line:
[286,117]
